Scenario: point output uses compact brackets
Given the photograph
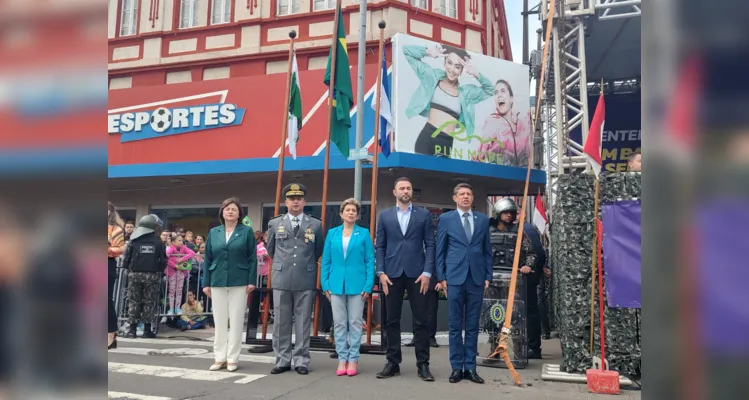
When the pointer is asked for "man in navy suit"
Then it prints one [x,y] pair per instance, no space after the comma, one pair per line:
[405,263]
[464,270]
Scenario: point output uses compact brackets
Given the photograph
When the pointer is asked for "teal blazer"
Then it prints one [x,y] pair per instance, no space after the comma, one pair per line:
[354,273]
[232,263]
[430,77]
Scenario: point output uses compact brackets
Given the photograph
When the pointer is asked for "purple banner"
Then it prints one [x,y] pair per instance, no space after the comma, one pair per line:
[621,253]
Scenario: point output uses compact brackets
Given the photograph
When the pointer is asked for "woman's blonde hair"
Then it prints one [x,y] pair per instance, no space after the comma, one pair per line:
[352,201]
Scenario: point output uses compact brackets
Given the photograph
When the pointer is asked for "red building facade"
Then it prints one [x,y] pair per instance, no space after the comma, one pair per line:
[157,42]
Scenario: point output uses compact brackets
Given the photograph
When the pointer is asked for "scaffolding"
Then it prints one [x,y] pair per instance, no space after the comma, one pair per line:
[565,96]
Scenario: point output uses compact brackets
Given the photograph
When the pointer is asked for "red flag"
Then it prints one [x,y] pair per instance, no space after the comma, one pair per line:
[539,215]
[592,148]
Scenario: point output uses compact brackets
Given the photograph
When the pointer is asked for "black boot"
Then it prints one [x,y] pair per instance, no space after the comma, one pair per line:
[132,333]
[147,332]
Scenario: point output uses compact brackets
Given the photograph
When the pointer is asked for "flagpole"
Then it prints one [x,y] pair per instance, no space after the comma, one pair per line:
[279,177]
[593,261]
[331,89]
[375,171]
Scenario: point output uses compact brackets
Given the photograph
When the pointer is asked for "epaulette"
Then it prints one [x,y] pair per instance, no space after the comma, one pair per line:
[277,216]
[313,217]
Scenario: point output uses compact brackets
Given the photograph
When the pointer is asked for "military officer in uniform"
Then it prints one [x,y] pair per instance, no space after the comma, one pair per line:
[295,243]
[504,235]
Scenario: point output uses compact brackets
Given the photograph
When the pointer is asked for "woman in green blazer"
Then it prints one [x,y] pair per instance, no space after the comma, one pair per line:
[229,276]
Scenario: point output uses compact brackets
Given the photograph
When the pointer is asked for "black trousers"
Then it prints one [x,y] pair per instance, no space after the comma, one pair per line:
[111,278]
[433,302]
[534,320]
[543,306]
[420,311]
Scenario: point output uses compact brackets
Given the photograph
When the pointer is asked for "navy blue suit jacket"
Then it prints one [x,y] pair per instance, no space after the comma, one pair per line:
[412,253]
[455,254]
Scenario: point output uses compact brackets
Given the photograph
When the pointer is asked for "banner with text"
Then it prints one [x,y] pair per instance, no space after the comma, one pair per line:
[621,131]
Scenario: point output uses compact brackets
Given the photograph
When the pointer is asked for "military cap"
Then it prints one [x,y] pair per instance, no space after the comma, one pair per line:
[294,190]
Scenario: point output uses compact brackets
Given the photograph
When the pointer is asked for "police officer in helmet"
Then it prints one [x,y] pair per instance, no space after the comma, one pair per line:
[504,234]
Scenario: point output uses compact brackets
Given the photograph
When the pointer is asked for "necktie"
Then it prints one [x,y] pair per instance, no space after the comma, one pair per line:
[295,223]
[467,225]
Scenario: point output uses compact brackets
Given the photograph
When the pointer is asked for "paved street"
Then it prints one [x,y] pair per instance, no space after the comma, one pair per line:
[176,367]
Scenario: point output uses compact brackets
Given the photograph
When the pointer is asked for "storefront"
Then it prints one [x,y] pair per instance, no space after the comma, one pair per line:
[179,150]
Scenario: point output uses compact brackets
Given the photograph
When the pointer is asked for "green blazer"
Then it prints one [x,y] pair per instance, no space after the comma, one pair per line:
[233,263]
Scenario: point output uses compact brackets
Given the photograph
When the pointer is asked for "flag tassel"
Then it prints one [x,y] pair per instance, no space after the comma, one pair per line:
[279,177]
[331,90]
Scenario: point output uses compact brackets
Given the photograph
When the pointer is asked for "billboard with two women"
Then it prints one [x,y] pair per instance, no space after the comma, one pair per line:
[449,102]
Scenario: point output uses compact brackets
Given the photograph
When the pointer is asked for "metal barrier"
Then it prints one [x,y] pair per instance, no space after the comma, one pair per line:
[161,312]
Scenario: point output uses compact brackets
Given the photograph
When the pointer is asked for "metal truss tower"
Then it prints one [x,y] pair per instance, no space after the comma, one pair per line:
[564,104]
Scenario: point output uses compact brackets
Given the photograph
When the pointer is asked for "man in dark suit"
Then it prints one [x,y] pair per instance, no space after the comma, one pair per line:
[405,263]
[464,269]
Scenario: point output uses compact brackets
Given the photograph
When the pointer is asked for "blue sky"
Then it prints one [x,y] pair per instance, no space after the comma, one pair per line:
[513,8]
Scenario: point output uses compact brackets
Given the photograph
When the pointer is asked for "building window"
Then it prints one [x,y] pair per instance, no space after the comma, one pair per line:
[129,21]
[423,4]
[285,9]
[188,14]
[449,8]
[221,13]
[323,5]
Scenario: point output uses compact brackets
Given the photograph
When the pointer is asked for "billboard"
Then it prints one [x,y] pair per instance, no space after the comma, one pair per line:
[621,131]
[458,104]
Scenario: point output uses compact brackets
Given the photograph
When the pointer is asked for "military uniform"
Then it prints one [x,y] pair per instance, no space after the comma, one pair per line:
[145,258]
[295,243]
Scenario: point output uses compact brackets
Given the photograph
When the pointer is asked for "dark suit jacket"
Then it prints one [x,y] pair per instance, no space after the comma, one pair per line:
[232,263]
[411,254]
[455,254]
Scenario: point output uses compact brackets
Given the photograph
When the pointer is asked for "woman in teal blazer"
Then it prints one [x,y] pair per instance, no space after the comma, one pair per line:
[229,276]
[347,278]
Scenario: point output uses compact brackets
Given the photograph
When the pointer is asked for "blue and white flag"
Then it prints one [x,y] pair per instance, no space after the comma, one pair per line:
[386,117]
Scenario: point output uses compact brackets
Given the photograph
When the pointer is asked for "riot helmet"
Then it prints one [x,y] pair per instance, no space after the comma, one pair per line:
[147,224]
[505,204]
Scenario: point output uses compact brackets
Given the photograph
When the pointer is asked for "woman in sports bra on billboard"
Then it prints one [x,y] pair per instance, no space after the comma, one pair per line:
[447,105]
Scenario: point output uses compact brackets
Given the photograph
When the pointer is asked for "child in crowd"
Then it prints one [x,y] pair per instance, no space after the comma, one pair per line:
[191,318]
[189,242]
[179,256]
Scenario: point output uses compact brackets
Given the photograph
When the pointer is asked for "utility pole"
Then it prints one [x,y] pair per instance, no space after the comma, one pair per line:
[360,96]
[525,32]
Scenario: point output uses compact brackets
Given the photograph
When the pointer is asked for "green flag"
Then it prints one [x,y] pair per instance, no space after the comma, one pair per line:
[342,93]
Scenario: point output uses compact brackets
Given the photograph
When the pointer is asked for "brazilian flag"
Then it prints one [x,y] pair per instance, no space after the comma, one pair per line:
[342,93]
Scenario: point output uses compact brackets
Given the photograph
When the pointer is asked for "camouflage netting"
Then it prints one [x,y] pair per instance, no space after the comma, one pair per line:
[572,236]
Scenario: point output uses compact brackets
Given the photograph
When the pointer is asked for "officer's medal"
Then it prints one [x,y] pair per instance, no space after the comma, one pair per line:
[309,236]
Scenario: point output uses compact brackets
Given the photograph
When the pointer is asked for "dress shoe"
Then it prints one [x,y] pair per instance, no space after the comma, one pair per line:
[231,367]
[279,370]
[410,344]
[534,354]
[389,371]
[433,343]
[342,367]
[353,368]
[456,376]
[424,373]
[301,370]
[217,366]
[333,354]
[473,376]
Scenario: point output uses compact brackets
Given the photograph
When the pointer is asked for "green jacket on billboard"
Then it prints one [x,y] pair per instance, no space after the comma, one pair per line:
[420,103]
